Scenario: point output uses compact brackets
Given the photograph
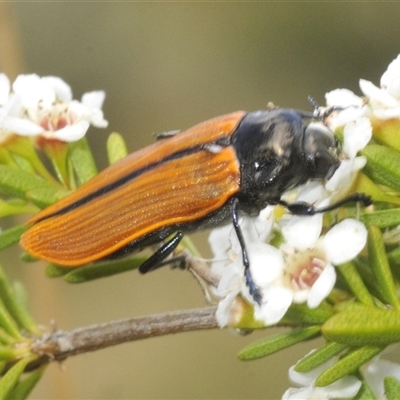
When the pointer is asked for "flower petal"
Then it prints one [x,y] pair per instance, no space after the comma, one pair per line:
[356,134]
[345,241]
[219,240]
[72,133]
[60,88]
[379,95]
[276,302]
[344,176]
[4,89]
[21,126]
[302,232]
[322,287]
[266,263]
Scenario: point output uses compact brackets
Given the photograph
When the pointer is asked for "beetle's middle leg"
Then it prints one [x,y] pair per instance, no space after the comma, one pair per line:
[156,259]
[254,290]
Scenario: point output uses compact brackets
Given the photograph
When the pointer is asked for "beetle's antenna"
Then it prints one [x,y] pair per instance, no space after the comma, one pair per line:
[313,103]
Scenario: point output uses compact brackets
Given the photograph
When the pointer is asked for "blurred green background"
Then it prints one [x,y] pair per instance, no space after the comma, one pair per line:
[166,66]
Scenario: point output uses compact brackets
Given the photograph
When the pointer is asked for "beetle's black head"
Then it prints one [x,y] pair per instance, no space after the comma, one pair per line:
[278,151]
[320,150]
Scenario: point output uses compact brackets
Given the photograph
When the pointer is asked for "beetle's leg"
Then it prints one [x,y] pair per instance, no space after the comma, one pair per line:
[254,291]
[303,208]
[166,135]
[156,259]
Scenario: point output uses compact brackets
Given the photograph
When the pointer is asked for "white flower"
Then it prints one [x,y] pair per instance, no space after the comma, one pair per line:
[228,261]
[356,135]
[343,388]
[350,107]
[385,101]
[307,264]
[50,111]
[301,270]
[11,111]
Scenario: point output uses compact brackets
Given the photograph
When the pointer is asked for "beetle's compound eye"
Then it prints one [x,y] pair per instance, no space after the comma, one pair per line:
[321,150]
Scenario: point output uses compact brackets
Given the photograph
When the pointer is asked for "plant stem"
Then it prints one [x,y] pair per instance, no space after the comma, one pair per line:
[60,345]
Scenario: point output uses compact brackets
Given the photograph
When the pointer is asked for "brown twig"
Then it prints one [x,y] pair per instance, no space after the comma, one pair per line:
[60,345]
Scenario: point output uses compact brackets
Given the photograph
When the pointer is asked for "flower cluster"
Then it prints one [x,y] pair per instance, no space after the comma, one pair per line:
[294,259]
[43,106]
[300,269]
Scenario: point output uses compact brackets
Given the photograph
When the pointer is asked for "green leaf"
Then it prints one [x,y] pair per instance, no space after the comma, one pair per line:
[365,185]
[21,146]
[347,365]
[24,387]
[11,236]
[362,325]
[116,147]
[388,132]
[392,388]
[10,379]
[301,313]
[18,183]
[355,283]
[15,307]
[55,271]
[7,322]
[319,356]
[380,265]
[14,298]
[383,165]
[44,197]
[382,218]
[8,353]
[103,269]
[14,207]
[272,344]
[365,393]
[82,160]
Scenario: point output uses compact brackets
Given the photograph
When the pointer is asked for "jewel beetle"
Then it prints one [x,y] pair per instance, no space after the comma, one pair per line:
[201,178]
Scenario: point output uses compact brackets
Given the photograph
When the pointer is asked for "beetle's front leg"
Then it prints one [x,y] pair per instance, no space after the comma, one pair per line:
[303,208]
[254,290]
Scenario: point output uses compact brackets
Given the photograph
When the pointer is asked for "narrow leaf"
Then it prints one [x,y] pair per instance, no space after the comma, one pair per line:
[303,314]
[116,147]
[8,323]
[272,344]
[392,388]
[362,325]
[347,365]
[383,165]
[15,307]
[11,236]
[387,132]
[382,218]
[18,183]
[103,269]
[365,393]
[82,160]
[319,356]
[24,387]
[10,379]
[355,283]
[363,184]
[55,271]
[44,197]
[380,265]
